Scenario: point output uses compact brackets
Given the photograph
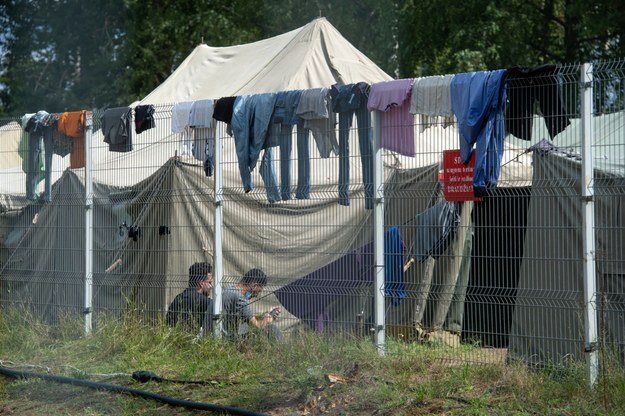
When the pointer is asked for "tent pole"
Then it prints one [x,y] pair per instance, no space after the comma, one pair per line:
[378,233]
[88,223]
[588,204]
[218,218]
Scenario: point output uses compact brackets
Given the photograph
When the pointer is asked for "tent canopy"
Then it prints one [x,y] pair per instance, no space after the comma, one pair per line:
[313,56]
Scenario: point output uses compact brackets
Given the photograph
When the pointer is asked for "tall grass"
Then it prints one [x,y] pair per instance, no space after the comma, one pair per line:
[305,374]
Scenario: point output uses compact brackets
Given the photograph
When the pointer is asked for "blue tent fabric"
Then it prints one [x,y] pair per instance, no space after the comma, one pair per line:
[394,286]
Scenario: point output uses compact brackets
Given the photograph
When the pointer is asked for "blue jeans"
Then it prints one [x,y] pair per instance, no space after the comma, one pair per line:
[250,124]
[39,142]
[303,161]
[285,116]
[349,101]
[267,173]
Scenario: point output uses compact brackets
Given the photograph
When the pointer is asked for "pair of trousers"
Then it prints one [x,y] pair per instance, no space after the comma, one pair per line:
[250,127]
[365,141]
[303,161]
[267,171]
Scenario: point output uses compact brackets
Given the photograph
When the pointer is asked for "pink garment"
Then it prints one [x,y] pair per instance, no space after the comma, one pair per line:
[392,98]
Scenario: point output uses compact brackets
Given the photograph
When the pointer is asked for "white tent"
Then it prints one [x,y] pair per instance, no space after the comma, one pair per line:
[312,56]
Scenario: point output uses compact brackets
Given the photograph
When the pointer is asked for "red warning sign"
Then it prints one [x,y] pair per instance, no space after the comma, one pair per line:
[457,178]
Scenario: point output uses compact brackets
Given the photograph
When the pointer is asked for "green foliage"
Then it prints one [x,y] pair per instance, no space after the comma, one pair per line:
[438,37]
[160,35]
[62,55]
[71,54]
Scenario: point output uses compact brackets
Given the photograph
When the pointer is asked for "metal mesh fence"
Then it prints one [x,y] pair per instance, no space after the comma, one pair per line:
[489,278]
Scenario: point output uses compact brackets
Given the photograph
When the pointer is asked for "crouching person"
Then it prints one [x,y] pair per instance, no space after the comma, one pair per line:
[191,307]
[238,319]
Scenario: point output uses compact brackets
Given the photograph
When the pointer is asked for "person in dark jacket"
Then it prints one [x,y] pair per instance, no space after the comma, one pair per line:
[190,307]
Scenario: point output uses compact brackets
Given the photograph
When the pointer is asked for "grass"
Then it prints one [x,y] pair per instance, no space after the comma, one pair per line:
[305,375]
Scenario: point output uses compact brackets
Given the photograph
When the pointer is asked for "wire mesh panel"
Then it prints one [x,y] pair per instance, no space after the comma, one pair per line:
[483,219]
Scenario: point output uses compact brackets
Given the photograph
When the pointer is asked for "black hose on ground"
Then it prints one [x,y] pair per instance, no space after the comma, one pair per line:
[135,392]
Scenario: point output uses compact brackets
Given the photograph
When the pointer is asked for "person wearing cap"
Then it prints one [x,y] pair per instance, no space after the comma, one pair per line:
[238,317]
[190,307]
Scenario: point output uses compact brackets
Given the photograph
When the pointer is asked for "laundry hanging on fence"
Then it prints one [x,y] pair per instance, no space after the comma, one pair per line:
[116,128]
[478,100]
[530,91]
[392,98]
[180,124]
[72,125]
[144,118]
[431,101]
[251,118]
[203,131]
[284,117]
[348,101]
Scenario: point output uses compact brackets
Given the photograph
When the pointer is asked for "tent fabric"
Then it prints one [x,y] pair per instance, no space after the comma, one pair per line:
[313,56]
[548,318]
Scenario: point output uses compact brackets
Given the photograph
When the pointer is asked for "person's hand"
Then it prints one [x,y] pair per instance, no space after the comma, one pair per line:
[275,312]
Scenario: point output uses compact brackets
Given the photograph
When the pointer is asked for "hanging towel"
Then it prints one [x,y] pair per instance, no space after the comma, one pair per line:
[201,113]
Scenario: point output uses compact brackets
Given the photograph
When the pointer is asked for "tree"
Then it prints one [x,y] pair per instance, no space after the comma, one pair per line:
[160,34]
[5,35]
[62,54]
[440,37]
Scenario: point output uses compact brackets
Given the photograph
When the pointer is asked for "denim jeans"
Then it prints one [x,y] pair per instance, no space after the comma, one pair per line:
[285,116]
[303,161]
[268,174]
[250,124]
[40,144]
[349,101]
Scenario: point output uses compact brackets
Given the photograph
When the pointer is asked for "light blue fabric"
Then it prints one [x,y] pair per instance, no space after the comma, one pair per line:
[250,125]
[478,101]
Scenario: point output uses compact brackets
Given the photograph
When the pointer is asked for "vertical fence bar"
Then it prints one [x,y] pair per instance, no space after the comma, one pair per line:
[88,223]
[218,248]
[588,233]
[378,232]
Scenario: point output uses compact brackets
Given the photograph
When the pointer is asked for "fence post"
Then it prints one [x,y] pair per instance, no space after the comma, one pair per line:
[378,233]
[588,209]
[88,223]
[218,248]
